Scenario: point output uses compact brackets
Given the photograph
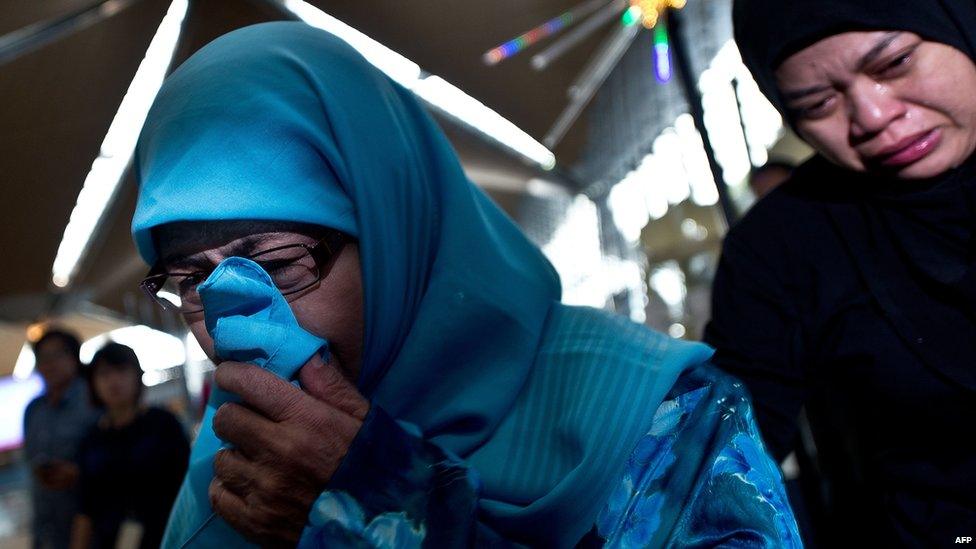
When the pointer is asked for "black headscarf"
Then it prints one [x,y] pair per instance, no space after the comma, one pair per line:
[769,31]
[914,242]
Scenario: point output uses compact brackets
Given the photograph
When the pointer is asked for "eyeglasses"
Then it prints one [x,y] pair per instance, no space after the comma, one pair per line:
[293,268]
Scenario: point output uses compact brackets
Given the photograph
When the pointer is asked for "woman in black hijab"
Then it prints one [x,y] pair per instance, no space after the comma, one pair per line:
[851,289]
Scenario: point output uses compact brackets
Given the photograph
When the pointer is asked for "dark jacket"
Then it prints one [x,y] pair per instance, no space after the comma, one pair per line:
[810,312]
[132,474]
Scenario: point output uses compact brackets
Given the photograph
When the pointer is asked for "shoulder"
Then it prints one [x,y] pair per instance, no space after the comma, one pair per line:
[162,420]
[711,377]
[32,407]
[789,237]
[33,404]
[796,210]
[602,335]
[159,416]
[78,400]
[704,385]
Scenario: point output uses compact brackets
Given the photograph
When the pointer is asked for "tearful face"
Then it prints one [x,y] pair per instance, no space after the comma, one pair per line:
[883,102]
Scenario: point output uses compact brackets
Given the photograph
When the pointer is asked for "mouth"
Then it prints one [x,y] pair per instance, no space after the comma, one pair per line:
[908,150]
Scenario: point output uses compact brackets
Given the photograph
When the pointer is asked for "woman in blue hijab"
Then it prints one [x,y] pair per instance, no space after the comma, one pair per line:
[394,366]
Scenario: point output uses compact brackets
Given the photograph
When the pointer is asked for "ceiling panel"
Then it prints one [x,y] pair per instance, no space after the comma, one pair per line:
[57,105]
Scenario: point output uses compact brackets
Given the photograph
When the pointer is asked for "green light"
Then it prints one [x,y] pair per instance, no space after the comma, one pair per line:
[631,16]
[661,35]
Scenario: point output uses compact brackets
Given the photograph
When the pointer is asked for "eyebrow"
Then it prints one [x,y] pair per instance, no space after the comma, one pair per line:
[798,94]
[864,61]
[197,261]
[178,263]
[877,50]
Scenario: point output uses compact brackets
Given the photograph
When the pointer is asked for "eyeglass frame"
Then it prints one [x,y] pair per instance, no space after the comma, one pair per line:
[322,252]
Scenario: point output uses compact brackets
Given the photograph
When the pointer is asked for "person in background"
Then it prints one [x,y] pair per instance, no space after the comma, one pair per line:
[851,289]
[767,177]
[54,424]
[394,365]
[132,461]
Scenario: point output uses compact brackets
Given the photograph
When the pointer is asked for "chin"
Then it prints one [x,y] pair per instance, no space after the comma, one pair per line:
[926,168]
[931,166]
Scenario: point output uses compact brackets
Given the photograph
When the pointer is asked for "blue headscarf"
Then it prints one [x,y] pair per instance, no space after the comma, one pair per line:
[464,335]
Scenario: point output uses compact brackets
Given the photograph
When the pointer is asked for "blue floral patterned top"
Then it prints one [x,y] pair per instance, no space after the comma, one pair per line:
[700,478]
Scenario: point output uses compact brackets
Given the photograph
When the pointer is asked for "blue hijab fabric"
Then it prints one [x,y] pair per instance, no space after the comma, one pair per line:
[464,336]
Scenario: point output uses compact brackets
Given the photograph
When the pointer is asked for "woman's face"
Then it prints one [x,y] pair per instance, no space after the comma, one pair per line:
[331,309]
[883,102]
[116,385]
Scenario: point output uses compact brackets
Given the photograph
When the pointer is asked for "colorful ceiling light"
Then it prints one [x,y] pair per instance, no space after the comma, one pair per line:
[545,30]
[591,16]
[435,91]
[662,54]
[521,42]
[651,10]
[633,15]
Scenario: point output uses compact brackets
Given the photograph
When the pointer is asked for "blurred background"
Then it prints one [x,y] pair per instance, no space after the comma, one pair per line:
[620,134]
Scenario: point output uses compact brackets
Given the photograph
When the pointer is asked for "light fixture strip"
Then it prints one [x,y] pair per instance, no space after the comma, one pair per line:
[433,89]
[118,146]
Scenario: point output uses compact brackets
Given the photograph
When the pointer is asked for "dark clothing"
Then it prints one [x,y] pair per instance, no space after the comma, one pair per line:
[132,473]
[854,300]
[855,296]
[53,431]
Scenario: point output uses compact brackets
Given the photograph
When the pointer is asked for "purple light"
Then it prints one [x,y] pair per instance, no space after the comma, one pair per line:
[662,62]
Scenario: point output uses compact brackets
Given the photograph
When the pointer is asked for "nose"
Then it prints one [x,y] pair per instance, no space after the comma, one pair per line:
[872,106]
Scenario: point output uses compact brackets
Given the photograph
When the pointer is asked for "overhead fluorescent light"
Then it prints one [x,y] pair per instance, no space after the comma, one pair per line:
[25,362]
[396,66]
[434,90]
[456,104]
[117,148]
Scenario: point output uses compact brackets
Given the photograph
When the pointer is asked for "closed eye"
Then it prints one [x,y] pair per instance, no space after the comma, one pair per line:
[192,280]
[273,265]
[896,67]
[896,64]
[816,110]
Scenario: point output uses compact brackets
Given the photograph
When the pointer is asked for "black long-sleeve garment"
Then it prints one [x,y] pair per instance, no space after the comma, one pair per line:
[132,473]
[832,296]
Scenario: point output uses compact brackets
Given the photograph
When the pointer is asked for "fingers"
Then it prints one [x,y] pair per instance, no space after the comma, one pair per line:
[234,471]
[279,400]
[267,525]
[287,445]
[250,432]
[267,393]
[327,383]
[237,512]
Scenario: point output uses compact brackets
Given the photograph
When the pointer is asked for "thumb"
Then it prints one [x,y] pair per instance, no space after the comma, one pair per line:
[324,381]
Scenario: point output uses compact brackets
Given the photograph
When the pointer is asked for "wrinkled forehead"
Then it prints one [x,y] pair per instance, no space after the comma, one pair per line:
[843,52]
[182,239]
